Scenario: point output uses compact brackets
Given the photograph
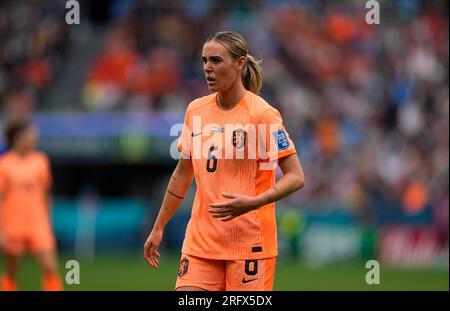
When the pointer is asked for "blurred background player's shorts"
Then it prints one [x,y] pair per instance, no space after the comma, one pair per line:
[34,242]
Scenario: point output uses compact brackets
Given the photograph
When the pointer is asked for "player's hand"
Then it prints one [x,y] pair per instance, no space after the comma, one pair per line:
[151,253]
[2,242]
[237,205]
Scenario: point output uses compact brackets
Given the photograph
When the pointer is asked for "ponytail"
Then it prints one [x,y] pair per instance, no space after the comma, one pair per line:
[251,74]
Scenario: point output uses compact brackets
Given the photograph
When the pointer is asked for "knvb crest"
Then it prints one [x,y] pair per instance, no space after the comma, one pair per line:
[183,267]
[239,138]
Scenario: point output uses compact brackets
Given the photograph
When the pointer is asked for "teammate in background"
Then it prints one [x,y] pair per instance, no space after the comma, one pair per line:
[25,182]
[231,238]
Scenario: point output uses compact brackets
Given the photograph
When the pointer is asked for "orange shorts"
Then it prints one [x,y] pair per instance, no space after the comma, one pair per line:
[35,243]
[229,275]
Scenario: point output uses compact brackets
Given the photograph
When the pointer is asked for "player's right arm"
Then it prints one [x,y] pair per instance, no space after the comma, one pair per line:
[179,183]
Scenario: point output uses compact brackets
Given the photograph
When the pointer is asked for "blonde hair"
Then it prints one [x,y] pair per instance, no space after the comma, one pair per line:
[237,47]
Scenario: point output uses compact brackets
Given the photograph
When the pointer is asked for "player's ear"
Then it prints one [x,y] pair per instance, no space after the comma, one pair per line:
[241,62]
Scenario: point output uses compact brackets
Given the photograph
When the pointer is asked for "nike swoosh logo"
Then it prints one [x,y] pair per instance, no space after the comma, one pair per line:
[248,281]
[196,134]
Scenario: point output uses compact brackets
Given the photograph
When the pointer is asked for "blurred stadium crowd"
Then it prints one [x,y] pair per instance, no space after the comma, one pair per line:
[367,105]
[32,49]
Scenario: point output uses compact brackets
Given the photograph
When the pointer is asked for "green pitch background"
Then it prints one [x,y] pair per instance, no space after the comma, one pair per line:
[130,272]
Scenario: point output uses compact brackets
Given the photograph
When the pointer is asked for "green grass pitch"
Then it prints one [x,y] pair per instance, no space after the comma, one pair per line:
[130,272]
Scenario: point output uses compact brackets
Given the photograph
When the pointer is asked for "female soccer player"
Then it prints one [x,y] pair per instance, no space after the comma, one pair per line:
[25,181]
[228,142]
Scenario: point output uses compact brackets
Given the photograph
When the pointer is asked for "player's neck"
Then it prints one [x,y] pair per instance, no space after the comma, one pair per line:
[230,98]
[21,152]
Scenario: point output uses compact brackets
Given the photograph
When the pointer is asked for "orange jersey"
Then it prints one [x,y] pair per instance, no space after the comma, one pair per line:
[230,152]
[24,182]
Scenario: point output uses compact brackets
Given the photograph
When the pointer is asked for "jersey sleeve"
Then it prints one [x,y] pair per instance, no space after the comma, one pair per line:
[184,141]
[275,139]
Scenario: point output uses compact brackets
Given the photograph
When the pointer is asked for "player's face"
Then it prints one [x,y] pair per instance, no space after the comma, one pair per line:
[28,138]
[221,70]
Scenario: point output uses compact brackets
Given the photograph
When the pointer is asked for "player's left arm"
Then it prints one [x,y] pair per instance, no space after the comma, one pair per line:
[48,200]
[48,183]
[292,180]
[2,240]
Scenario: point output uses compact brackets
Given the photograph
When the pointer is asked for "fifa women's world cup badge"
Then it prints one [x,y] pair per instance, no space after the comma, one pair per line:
[183,267]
